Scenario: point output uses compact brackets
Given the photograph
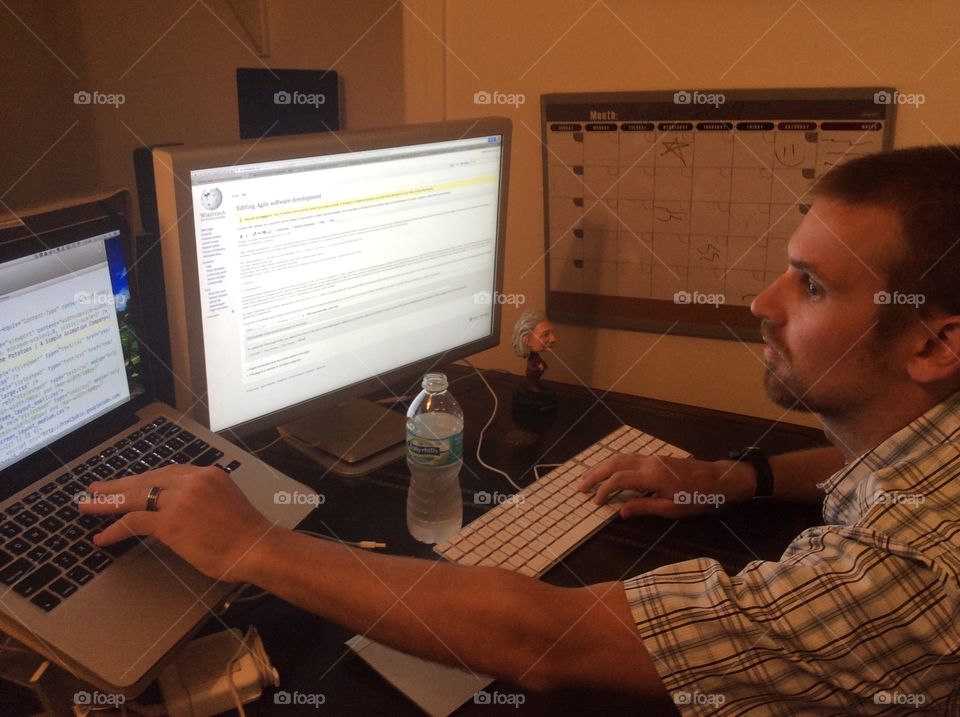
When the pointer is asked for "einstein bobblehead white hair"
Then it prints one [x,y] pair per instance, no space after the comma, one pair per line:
[524,327]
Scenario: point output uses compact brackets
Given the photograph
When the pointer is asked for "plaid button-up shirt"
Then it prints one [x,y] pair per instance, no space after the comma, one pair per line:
[859,616]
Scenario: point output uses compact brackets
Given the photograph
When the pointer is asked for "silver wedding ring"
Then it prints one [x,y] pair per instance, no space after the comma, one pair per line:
[152,497]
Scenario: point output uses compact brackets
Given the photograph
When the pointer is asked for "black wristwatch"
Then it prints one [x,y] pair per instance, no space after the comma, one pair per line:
[758,459]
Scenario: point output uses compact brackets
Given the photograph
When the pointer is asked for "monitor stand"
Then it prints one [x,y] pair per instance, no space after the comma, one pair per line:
[352,439]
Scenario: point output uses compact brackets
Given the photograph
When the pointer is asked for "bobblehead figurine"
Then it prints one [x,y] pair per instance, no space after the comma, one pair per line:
[532,335]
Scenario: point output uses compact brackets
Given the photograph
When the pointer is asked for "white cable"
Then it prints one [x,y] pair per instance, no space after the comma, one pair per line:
[483,430]
[253,646]
[536,468]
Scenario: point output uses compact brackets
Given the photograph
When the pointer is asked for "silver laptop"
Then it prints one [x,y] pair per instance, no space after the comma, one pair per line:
[75,409]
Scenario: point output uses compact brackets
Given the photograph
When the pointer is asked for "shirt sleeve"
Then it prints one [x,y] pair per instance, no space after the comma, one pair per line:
[837,626]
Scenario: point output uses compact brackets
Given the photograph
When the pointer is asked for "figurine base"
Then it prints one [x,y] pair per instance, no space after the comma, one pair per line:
[534,403]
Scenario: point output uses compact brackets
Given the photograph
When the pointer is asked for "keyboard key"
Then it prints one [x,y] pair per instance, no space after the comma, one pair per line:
[72,532]
[36,580]
[43,508]
[59,498]
[65,478]
[26,518]
[97,561]
[15,570]
[14,508]
[88,521]
[56,543]
[48,488]
[39,554]
[5,558]
[33,498]
[82,549]
[51,524]
[102,472]
[35,535]
[80,575]
[68,513]
[8,529]
[208,457]
[63,587]
[65,560]
[196,448]
[45,600]
[73,488]
[17,546]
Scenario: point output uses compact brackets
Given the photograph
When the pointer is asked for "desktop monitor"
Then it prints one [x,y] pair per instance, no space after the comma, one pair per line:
[304,273]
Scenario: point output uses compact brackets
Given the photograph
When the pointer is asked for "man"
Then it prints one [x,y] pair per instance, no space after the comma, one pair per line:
[857,617]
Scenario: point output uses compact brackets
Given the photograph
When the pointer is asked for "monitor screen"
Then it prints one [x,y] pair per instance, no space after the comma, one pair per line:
[305,271]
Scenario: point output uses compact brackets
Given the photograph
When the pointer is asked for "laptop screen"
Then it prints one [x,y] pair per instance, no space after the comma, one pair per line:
[67,353]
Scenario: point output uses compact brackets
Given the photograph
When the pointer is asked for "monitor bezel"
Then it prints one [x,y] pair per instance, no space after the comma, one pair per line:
[173,167]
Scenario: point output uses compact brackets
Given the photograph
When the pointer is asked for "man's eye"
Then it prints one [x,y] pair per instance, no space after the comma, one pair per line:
[812,287]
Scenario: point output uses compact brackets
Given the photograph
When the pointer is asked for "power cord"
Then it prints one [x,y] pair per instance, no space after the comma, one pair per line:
[493,414]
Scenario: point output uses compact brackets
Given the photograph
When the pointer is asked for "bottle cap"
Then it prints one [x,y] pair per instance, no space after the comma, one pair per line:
[435,382]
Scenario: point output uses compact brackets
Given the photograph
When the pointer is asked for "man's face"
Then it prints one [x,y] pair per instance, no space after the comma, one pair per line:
[819,317]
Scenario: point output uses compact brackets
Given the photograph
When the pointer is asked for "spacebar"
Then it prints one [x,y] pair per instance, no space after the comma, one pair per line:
[572,538]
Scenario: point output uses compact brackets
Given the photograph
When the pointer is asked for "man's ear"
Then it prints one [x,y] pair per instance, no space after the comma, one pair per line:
[937,353]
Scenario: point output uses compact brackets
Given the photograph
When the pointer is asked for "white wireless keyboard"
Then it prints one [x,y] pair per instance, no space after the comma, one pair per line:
[531,531]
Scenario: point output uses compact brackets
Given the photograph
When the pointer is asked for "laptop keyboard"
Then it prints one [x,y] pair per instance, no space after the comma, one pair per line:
[46,546]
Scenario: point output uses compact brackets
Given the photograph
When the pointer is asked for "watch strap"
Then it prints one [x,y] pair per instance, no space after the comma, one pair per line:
[761,466]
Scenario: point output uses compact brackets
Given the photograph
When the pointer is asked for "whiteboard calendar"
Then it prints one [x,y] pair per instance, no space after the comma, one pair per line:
[673,209]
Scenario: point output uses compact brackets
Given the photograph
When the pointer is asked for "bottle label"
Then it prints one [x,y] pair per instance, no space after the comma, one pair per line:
[434,452]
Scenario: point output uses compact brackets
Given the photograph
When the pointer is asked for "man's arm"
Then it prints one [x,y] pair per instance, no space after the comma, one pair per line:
[795,477]
[490,620]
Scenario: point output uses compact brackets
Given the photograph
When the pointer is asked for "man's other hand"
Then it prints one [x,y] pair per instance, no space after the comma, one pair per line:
[680,487]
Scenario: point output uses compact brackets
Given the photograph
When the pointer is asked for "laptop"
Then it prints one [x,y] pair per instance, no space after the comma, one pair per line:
[75,404]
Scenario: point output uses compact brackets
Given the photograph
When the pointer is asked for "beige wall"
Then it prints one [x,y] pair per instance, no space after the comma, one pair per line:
[578,45]
[174,62]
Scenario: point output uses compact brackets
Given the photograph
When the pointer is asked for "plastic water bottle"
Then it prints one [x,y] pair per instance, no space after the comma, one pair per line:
[434,456]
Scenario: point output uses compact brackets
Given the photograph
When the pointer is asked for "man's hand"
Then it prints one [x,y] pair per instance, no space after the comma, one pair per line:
[681,487]
[200,514]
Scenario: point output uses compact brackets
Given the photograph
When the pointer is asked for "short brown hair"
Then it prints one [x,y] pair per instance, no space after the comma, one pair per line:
[922,185]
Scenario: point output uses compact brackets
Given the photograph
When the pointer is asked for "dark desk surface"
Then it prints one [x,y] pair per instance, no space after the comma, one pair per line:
[309,652]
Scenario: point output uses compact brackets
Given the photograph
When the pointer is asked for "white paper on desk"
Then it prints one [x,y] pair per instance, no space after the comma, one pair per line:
[437,689]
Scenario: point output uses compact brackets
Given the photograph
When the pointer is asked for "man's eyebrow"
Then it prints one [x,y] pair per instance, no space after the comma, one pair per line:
[810,269]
